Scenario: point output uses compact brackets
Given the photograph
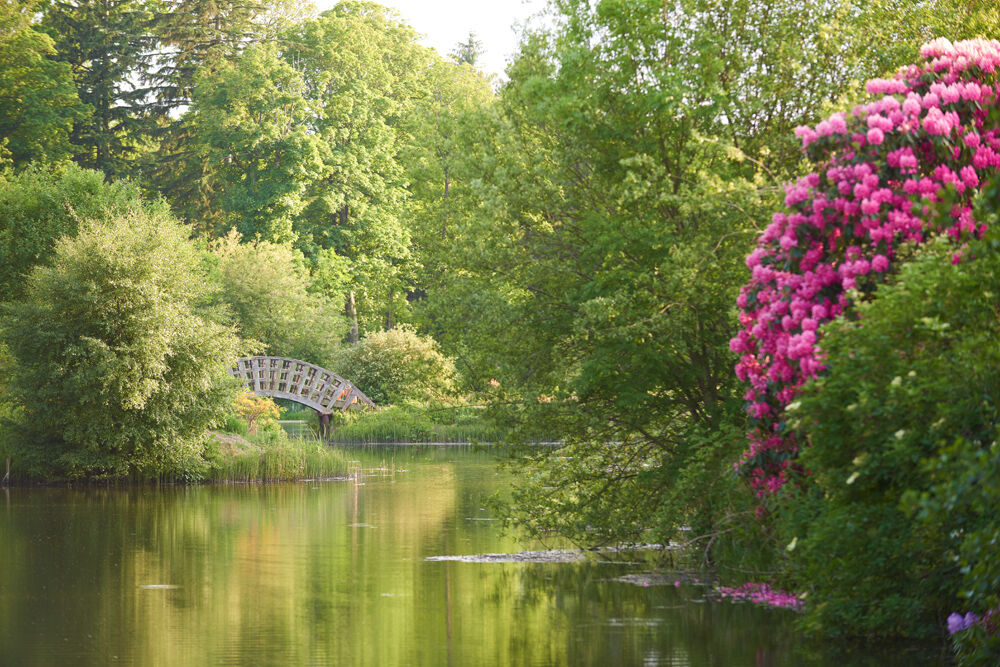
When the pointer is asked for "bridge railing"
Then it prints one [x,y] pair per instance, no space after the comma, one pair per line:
[299,381]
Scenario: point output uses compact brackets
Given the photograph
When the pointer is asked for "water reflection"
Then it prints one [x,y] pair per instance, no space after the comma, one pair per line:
[335,573]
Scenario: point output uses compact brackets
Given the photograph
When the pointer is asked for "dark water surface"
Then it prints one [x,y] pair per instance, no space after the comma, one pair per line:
[333,573]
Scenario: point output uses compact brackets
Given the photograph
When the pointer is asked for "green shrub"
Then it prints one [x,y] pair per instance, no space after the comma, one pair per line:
[265,287]
[397,365]
[896,524]
[40,205]
[117,372]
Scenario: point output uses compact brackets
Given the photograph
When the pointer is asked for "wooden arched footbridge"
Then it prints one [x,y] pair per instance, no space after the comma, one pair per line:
[302,382]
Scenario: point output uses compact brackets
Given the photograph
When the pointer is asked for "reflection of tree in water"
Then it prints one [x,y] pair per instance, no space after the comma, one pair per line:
[600,621]
[336,574]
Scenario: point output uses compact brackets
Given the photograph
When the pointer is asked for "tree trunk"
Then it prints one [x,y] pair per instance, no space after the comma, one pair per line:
[352,313]
[388,311]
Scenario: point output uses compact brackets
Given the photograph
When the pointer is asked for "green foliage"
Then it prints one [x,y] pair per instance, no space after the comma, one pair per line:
[9,410]
[413,422]
[363,71]
[272,457]
[40,205]
[897,517]
[593,260]
[266,287]
[118,373]
[397,365]
[595,275]
[978,646]
[38,99]
[108,46]
[468,52]
[235,425]
[15,15]
[251,127]
[964,496]
[204,33]
[441,200]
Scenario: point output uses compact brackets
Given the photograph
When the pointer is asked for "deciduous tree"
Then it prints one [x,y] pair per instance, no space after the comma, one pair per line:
[253,128]
[117,371]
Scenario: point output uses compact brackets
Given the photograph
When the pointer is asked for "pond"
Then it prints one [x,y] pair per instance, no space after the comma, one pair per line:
[337,573]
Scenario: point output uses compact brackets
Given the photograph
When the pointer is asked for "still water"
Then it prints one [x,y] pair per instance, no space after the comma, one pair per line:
[334,573]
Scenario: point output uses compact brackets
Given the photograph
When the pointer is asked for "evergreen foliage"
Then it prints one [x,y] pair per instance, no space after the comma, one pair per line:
[107,45]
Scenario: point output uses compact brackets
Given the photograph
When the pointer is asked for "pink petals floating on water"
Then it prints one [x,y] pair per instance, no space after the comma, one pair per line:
[762,594]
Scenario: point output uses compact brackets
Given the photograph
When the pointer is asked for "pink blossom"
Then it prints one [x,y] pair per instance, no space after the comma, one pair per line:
[969,176]
[972,92]
[844,220]
[936,48]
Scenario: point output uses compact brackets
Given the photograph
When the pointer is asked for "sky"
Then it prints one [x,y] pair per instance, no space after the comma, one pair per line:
[445,23]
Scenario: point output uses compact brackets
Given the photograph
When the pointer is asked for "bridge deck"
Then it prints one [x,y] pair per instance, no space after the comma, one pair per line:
[300,381]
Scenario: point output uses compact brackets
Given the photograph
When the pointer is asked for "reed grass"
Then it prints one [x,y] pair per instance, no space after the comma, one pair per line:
[415,423]
[274,457]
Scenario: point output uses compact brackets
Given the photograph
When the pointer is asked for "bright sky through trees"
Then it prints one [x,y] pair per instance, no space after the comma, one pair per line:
[445,23]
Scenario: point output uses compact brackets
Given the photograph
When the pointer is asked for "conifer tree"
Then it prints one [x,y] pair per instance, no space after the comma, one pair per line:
[107,44]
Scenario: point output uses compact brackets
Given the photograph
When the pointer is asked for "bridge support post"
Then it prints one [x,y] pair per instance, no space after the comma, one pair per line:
[324,424]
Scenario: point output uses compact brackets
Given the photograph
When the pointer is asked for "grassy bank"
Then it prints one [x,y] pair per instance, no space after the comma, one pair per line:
[415,423]
[269,456]
[272,455]
[230,456]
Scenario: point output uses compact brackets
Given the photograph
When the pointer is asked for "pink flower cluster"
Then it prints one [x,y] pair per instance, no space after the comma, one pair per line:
[762,594]
[882,173]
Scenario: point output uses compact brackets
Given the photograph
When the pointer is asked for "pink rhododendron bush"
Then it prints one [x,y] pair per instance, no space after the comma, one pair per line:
[883,172]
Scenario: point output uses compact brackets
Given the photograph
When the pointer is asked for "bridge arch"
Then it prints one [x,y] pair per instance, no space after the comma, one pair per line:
[296,380]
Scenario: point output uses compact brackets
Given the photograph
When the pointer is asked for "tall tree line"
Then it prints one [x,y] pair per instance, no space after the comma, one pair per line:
[266,118]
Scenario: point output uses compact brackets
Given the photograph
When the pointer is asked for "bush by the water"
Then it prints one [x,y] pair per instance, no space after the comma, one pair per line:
[871,349]
[896,525]
[117,371]
[42,204]
[930,136]
[397,365]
